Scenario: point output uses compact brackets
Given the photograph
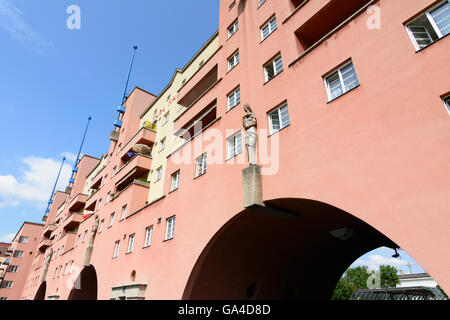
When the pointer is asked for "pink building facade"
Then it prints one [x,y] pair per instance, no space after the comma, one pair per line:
[353,130]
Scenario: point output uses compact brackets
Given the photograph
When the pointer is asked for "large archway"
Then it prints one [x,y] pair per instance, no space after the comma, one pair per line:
[85,287]
[40,294]
[262,256]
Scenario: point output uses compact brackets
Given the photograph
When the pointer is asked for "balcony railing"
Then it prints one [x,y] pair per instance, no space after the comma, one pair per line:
[49,230]
[136,168]
[143,136]
[78,202]
[45,243]
[73,221]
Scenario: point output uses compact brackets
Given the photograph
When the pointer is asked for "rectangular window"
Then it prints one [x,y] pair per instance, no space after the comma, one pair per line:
[279,118]
[158,174]
[430,26]
[162,145]
[170,228]
[108,197]
[18,254]
[111,220]
[268,28]
[105,179]
[116,249]
[234,98]
[200,165]
[341,81]
[12,269]
[148,236]
[233,61]
[23,239]
[447,103]
[99,204]
[114,171]
[233,29]
[124,212]
[175,181]
[166,117]
[130,243]
[273,68]
[234,145]
[78,240]
[261,2]
[100,228]
[7,284]
[84,237]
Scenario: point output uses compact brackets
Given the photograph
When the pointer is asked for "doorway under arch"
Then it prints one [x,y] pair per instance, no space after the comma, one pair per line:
[86,286]
[40,294]
[261,256]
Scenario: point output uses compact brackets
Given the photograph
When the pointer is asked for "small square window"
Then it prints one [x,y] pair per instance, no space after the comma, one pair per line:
[200,165]
[430,26]
[341,81]
[234,98]
[234,145]
[273,68]
[268,28]
[233,28]
[279,118]
[233,61]
[170,228]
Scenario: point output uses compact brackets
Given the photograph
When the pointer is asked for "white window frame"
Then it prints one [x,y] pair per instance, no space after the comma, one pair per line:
[166,117]
[234,96]
[159,173]
[233,28]
[100,228]
[261,2]
[269,25]
[131,243]
[116,249]
[148,237]
[23,239]
[341,80]
[231,143]
[162,144]
[175,184]
[201,165]
[432,22]
[123,213]
[170,228]
[19,254]
[282,125]
[7,284]
[273,64]
[84,237]
[111,220]
[233,61]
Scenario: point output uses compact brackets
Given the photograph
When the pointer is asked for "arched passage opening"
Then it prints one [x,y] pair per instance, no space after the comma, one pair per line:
[262,256]
[40,294]
[85,287]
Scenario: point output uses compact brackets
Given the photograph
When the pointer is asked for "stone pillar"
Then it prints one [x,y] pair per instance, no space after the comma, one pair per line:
[252,186]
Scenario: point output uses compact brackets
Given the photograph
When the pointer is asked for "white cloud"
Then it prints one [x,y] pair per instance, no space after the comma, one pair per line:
[36,183]
[8,238]
[374,261]
[69,156]
[11,21]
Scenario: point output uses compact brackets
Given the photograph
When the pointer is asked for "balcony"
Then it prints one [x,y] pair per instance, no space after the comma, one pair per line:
[69,241]
[7,261]
[73,221]
[144,136]
[9,250]
[49,230]
[138,167]
[200,82]
[45,243]
[77,203]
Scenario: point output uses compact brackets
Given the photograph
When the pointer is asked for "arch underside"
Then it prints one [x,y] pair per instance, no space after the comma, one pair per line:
[262,256]
[86,287]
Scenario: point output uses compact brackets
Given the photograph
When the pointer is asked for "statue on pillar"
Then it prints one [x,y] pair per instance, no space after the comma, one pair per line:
[47,263]
[251,137]
[89,249]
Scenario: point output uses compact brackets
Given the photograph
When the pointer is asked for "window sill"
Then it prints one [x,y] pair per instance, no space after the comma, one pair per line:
[233,108]
[143,248]
[235,156]
[420,50]
[174,190]
[268,36]
[273,77]
[166,240]
[295,11]
[272,134]
[334,99]
[199,176]
[232,69]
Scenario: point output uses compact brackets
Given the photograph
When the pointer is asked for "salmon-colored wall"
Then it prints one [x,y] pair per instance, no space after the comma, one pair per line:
[378,152]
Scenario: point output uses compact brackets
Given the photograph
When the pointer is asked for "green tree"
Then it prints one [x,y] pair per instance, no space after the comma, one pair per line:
[389,276]
[343,290]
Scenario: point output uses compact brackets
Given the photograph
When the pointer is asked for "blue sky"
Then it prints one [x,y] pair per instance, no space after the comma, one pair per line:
[53,78]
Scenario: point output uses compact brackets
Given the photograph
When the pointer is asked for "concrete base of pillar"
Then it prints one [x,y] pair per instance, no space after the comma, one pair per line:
[252,186]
